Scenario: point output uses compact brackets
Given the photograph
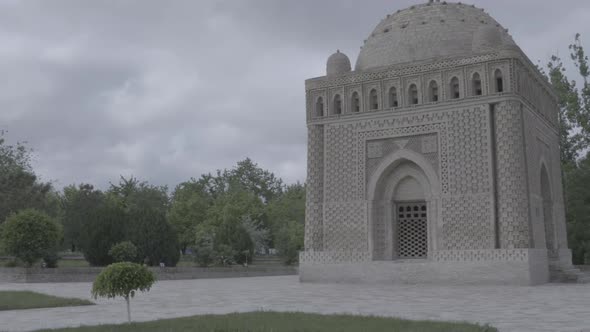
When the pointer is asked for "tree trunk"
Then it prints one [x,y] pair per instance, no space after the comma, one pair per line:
[128,309]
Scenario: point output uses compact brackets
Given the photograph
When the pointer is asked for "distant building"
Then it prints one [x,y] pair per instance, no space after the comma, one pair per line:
[436,160]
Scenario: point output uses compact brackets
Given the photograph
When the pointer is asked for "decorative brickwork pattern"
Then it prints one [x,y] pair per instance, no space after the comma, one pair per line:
[469,149]
[536,95]
[511,177]
[467,222]
[366,167]
[426,145]
[341,149]
[345,227]
[333,257]
[379,230]
[314,188]
[482,255]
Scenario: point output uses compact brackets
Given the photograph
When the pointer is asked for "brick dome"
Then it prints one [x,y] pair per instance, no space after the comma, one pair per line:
[431,31]
[338,63]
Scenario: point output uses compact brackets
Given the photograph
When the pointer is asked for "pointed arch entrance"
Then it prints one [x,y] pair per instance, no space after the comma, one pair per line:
[403,193]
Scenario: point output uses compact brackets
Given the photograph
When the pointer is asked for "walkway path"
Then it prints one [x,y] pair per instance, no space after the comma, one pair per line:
[549,308]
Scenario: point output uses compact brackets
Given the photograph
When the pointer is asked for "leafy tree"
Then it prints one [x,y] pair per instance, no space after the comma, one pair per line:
[235,205]
[123,279]
[51,258]
[156,240]
[78,203]
[188,210]
[105,225]
[289,241]
[574,102]
[133,194]
[259,236]
[288,206]
[285,213]
[124,251]
[19,186]
[578,211]
[30,235]
[225,254]
[255,180]
[574,119]
[204,253]
[146,207]
[246,175]
[225,218]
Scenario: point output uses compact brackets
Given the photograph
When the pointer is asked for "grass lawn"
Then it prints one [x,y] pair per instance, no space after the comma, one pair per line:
[286,322]
[14,300]
[72,263]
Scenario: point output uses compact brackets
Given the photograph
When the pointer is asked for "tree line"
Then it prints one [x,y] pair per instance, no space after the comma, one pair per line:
[222,218]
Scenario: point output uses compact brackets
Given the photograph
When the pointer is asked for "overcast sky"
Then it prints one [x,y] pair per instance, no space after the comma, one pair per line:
[168,90]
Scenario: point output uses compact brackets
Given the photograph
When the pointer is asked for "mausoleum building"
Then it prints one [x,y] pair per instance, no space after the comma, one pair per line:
[436,160]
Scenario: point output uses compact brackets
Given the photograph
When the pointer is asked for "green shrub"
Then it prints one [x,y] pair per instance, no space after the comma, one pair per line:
[124,251]
[154,237]
[289,241]
[51,258]
[225,255]
[243,246]
[11,263]
[29,235]
[105,226]
[204,253]
[123,279]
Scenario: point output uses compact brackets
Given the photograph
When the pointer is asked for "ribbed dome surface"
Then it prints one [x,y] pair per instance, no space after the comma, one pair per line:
[430,31]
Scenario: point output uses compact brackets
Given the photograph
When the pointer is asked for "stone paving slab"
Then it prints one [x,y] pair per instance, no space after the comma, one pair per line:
[547,308]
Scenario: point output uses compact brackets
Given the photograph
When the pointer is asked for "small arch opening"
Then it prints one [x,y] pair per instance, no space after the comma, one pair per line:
[355,102]
[393,101]
[337,105]
[433,91]
[476,84]
[319,107]
[499,79]
[413,94]
[455,88]
[374,99]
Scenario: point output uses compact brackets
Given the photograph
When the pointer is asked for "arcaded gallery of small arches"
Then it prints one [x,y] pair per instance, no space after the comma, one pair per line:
[387,98]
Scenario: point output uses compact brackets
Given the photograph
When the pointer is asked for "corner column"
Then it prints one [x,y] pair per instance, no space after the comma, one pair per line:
[314,207]
[511,177]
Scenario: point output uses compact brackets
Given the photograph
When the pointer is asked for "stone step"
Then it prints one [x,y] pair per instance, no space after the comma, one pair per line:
[568,275]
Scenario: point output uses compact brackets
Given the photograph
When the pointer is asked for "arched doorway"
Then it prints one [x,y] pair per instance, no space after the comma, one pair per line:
[547,209]
[403,192]
[410,220]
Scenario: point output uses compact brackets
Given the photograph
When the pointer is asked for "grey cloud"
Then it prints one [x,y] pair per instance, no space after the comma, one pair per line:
[170,90]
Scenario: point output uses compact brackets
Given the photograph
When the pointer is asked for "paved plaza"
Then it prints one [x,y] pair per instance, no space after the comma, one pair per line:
[547,308]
